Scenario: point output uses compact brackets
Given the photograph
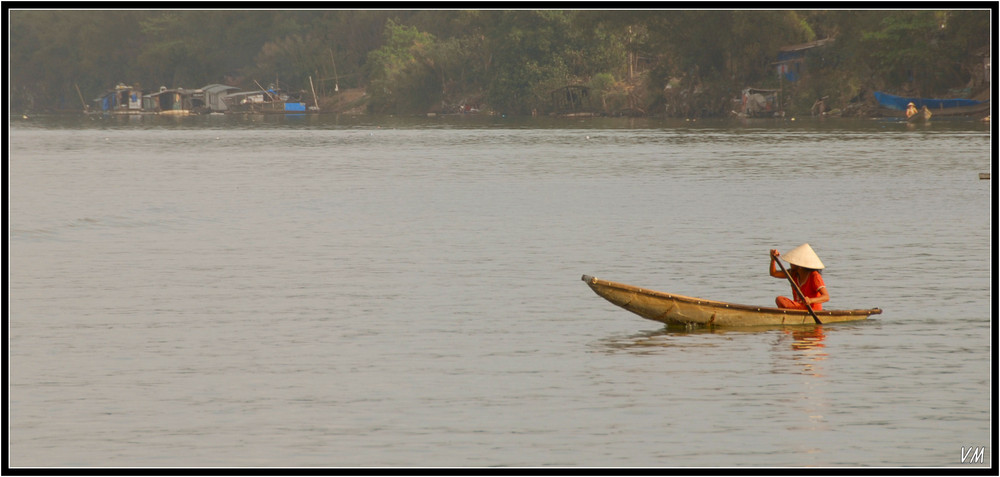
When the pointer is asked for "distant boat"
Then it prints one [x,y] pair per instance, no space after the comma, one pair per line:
[265,101]
[893,105]
[126,99]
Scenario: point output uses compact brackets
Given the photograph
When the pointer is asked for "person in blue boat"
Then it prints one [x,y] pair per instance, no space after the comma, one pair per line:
[805,270]
[911,110]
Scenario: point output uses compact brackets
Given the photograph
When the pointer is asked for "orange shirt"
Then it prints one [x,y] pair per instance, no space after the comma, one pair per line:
[810,288]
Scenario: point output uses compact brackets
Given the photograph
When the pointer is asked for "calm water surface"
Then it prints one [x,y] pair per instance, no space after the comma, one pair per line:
[331,291]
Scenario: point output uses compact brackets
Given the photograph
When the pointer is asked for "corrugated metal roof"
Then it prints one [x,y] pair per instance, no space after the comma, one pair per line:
[218,88]
[806,46]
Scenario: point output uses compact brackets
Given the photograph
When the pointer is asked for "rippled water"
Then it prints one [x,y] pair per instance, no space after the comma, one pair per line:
[337,292]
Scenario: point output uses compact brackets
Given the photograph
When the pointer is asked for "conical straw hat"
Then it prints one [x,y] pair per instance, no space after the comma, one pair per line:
[803,256]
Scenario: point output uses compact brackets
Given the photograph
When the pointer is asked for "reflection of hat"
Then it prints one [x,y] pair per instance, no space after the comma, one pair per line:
[803,256]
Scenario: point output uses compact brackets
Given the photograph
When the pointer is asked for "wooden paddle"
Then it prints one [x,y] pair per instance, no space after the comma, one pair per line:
[796,286]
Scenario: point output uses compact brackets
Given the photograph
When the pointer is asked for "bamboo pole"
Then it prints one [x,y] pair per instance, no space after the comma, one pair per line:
[313,88]
[273,96]
[336,81]
[85,107]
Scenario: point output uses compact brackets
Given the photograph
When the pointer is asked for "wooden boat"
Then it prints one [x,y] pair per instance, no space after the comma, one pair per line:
[269,101]
[683,310]
[895,106]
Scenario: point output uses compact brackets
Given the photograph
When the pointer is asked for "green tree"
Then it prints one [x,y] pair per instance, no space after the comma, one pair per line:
[964,32]
[52,53]
[707,57]
[192,48]
[695,60]
[346,36]
[291,60]
[401,72]
[924,52]
[532,53]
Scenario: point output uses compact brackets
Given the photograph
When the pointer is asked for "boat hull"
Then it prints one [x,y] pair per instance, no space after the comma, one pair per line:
[900,103]
[895,106]
[682,310]
[270,108]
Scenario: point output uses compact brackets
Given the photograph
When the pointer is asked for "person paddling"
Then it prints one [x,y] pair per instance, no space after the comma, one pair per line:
[911,110]
[805,271]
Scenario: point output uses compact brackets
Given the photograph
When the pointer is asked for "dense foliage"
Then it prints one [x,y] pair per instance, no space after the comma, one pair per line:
[688,62]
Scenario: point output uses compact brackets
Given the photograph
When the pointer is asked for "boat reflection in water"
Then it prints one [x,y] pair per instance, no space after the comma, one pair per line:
[806,340]
[798,349]
[809,348]
[808,352]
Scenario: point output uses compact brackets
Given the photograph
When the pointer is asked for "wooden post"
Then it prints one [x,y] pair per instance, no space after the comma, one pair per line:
[274,97]
[631,57]
[313,88]
[85,107]
[336,80]
[781,86]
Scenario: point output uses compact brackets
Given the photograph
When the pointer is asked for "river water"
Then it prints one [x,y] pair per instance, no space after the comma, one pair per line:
[327,291]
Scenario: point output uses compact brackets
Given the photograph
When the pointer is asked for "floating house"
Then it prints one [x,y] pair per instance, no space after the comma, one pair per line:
[124,99]
[178,102]
[212,98]
[214,94]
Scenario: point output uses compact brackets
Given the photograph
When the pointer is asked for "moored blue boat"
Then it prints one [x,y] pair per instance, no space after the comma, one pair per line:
[899,103]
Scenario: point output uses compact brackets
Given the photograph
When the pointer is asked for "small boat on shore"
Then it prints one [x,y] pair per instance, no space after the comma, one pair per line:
[683,310]
[895,106]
